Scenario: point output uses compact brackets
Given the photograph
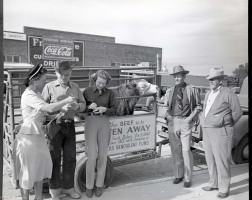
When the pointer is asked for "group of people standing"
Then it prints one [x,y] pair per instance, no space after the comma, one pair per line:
[221,110]
[41,102]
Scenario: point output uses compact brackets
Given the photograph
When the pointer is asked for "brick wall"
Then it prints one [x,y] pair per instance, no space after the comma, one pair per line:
[67,35]
[98,50]
[16,47]
[103,54]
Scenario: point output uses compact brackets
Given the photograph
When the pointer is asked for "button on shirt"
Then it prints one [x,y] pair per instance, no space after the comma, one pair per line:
[54,92]
[106,99]
[211,98]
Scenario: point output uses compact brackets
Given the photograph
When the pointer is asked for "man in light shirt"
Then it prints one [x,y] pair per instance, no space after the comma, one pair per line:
[220,112]
[64,140]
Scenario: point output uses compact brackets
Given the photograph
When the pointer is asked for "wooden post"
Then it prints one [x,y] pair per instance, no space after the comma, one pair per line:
[1,105]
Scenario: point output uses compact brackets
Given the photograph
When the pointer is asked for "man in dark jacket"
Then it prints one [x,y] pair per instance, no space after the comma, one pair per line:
[183,105]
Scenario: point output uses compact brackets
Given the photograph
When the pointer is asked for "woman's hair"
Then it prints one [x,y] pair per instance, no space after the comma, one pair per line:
[103,74]
[34,74]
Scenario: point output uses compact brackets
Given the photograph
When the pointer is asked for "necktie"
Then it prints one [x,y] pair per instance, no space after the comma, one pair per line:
[180,98]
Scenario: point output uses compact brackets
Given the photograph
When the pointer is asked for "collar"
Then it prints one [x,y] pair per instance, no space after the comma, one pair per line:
[57,83]
[95,89]
[183,85]
[218,89]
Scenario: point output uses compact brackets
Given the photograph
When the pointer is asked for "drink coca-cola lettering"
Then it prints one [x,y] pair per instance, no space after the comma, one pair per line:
[58,51]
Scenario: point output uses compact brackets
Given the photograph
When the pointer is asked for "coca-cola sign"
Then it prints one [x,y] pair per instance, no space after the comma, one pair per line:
[54,48]
[50,50]
[58,51]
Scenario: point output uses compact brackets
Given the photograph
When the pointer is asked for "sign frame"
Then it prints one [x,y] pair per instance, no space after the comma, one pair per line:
[132,133]
[52,61]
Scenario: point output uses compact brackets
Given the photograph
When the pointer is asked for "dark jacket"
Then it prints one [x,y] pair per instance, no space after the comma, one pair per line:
[193,97]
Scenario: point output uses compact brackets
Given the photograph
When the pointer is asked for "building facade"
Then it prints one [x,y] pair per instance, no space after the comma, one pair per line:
[46,46]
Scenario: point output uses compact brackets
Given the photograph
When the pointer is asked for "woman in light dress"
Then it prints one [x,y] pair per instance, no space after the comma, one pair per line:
[31,156]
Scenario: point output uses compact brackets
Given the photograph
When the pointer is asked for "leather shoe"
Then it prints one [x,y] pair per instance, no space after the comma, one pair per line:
[208,188]
[89,193]
[187,184]
[222,195]
[98,191]
[177,180]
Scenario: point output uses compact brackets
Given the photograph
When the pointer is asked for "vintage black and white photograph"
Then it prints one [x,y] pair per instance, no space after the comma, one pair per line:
[125,100]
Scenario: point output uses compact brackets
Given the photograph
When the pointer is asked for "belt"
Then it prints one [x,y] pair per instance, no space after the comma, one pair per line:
[180,117]
[93,114]
[61,120]
[65,120]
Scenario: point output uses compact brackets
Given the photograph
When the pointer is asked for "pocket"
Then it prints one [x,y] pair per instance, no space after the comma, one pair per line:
[215,120]
[187,125]
[228,130]
[227,119]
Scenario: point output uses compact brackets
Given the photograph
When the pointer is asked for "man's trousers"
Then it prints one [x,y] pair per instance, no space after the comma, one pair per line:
[218,146]
[180,135]
[63,142]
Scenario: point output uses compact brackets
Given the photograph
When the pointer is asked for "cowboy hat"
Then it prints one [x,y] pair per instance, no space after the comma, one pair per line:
[179,70]
[215,72]
[63,66]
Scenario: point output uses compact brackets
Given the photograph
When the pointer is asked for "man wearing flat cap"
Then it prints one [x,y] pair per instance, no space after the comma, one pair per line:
[220,112]
[183,106]
[65,139]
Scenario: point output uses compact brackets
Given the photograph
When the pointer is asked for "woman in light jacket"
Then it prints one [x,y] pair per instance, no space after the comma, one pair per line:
[31,157]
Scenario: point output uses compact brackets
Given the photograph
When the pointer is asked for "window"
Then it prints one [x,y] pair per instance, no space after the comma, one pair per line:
[16,59]
[128,64]
[12,58]
[115,64]
[9,58]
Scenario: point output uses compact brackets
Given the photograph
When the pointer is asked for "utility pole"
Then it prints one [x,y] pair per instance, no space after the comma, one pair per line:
[158,62]
[1,104]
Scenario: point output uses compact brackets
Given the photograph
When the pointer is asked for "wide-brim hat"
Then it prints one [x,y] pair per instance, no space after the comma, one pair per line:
[179,70]
[63,66]
[216,72]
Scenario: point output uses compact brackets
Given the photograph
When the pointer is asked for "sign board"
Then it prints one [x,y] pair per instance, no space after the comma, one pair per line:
[14,36]
[57,49]
[49,51]
[132,133]
[144,64]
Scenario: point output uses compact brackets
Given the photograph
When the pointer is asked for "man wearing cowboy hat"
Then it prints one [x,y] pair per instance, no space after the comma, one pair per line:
[220,112]
[183,105]
[64,140]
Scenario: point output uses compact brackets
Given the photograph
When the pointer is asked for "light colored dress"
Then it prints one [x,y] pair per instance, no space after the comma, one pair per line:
[31,156]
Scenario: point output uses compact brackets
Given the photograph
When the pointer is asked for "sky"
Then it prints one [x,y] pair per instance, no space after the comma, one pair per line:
[197,34]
